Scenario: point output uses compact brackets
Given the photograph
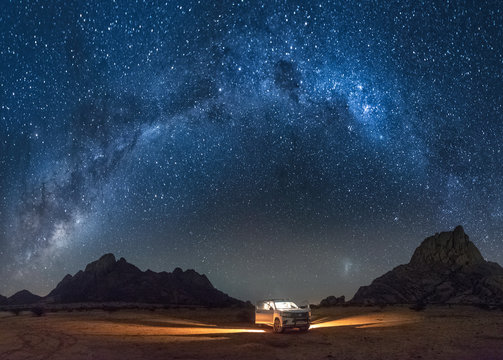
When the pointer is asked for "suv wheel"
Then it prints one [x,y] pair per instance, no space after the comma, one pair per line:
[304,328]
[277,326]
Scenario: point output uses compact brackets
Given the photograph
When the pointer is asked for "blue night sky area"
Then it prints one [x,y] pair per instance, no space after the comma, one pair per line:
[284,148]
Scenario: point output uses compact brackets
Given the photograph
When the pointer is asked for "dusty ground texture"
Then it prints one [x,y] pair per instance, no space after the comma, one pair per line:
[338,333]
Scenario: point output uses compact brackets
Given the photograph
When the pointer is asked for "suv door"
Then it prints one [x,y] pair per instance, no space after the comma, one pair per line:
[264,313]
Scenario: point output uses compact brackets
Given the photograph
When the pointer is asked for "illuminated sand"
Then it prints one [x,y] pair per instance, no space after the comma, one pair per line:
[340,333]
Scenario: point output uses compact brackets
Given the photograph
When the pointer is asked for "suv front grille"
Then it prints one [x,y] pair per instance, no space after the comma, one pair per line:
[299,315]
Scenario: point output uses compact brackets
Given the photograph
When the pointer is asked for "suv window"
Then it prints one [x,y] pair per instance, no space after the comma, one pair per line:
[285,305]
[265,305]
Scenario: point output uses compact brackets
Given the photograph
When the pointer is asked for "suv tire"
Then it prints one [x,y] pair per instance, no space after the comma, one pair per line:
[277,326]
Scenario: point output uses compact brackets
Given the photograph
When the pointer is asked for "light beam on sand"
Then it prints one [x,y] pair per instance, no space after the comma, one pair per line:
[132,329]
[369,321]
[215,330]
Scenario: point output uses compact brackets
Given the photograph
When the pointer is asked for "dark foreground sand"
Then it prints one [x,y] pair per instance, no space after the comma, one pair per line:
[339,333]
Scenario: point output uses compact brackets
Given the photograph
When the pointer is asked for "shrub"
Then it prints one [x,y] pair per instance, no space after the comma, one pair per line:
[37,311]
[15,311]
[483,306]
[419,306]
[109,308]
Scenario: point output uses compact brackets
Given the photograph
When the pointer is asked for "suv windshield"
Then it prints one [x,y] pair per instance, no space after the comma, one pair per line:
[285,305]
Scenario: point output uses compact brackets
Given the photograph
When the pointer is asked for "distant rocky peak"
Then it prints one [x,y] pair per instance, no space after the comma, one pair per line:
[23,297]
[451,248]
[446,268]
[103,265]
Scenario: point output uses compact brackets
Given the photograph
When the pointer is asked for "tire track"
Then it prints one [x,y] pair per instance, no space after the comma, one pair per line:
[33,345]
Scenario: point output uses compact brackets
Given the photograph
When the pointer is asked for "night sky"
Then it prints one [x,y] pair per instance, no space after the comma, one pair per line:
[283,148]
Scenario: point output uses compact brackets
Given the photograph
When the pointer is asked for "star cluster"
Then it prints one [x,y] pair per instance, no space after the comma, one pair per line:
[284,148]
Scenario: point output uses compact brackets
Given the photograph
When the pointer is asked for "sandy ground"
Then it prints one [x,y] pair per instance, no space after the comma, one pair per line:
[338,333]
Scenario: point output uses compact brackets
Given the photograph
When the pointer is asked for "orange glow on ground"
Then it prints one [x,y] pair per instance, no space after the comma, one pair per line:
[369,321]
[154,328]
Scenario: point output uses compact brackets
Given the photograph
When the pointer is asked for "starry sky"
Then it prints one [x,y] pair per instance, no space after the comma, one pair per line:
[283,148]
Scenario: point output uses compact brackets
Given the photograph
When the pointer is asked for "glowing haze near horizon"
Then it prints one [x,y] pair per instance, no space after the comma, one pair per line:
[283,148]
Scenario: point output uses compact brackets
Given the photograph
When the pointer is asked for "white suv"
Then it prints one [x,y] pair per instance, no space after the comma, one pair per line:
[282,314]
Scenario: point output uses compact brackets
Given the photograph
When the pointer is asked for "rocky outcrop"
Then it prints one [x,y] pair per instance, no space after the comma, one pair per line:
[101,266]
[23,297]
[107,280]
[445,268]
[448,248]
[333,301]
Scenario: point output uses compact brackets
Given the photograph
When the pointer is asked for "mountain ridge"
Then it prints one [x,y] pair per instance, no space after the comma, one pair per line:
[108,279]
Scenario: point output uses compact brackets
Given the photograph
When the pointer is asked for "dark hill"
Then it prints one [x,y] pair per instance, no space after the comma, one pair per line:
[23,297]
[3,300]
[107,280]
[445,268]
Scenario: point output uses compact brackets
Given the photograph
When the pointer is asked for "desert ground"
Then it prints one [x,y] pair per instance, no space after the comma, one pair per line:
[337,333]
